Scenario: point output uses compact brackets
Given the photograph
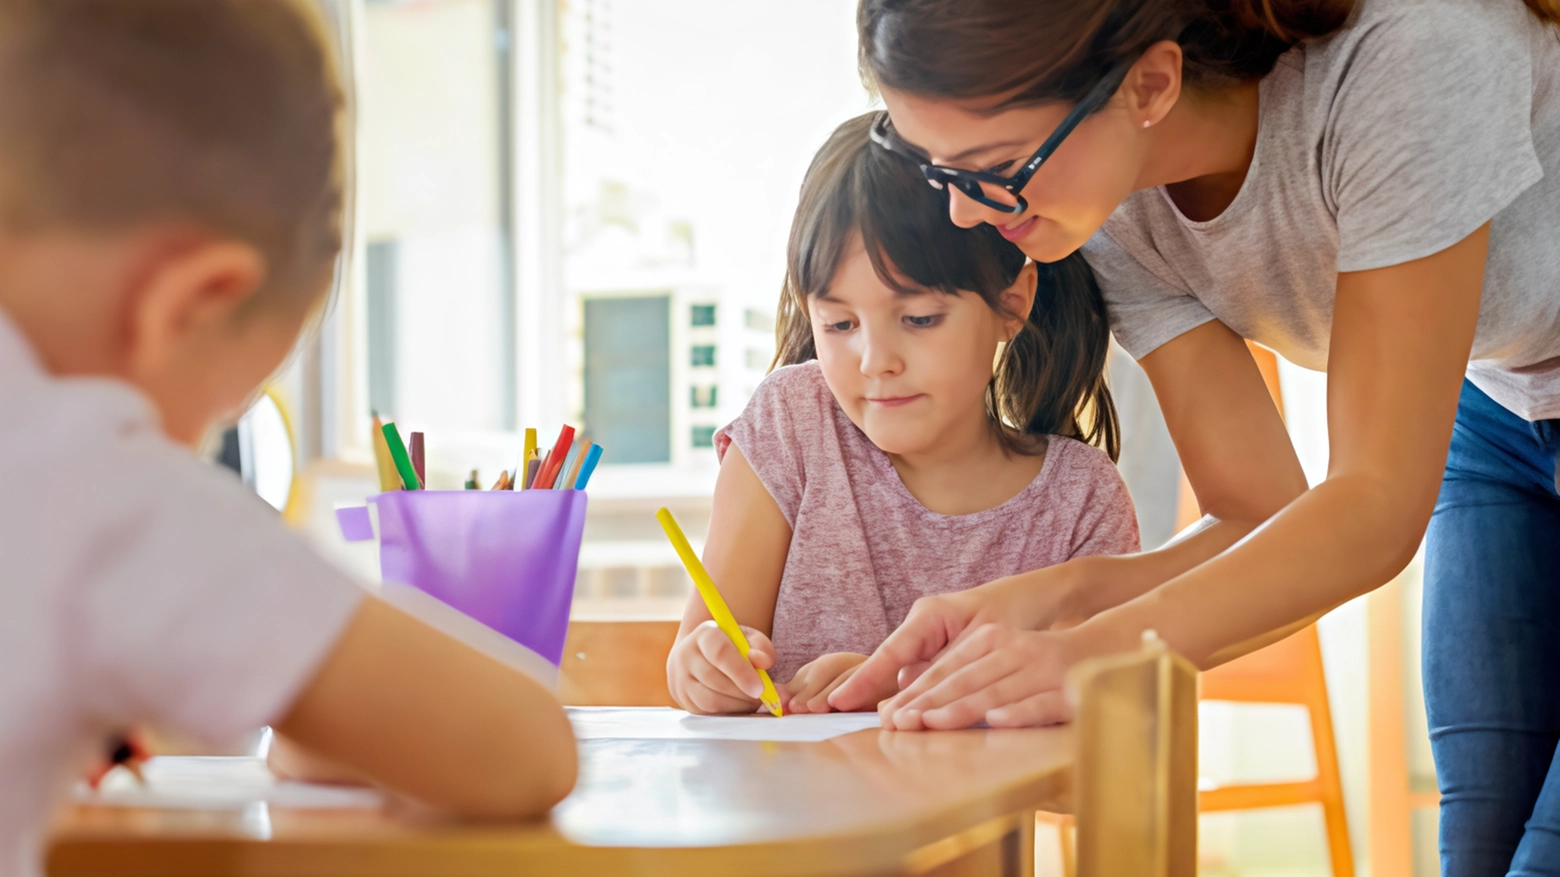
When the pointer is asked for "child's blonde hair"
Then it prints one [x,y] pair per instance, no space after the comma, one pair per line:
[222,114]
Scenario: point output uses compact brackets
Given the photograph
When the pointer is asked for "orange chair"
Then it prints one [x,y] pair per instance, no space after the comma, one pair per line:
[616,663]
[1288,671]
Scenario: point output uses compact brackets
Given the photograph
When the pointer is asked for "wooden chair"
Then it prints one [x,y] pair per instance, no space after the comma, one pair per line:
[616,663]
[1288,672]
[1135,777]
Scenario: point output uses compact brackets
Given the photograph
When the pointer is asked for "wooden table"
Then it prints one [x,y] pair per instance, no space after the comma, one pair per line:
[869,803]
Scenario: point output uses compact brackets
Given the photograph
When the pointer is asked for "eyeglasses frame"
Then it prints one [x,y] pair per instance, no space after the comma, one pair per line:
[970,182]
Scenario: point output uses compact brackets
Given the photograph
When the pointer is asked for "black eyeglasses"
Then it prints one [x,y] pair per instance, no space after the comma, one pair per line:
[972,183]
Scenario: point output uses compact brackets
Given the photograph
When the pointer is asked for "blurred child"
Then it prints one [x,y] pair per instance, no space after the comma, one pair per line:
[170,218]
[928,430]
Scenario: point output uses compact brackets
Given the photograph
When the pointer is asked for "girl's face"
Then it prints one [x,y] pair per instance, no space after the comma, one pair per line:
[1069,197]
[910,370]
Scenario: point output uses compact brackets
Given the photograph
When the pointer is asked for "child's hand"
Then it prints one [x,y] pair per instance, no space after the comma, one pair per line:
[707,675]
[810,688]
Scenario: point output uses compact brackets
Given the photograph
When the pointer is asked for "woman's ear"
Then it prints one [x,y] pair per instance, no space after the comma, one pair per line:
[1019,298]
[189,297]
[1153,84]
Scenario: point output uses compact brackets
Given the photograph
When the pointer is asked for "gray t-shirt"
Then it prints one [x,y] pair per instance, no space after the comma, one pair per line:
[1384,143]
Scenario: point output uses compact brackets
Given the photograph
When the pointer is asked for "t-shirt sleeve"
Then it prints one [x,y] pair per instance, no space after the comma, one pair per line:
[1145,310]
[1430,133]
[1107,524]
[769,432]
[198,610]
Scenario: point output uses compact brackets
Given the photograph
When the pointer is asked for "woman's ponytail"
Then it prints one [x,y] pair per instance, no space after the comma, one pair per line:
[1051,378]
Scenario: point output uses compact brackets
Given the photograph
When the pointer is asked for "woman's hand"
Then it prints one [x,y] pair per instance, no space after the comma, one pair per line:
[995,673]
[1029,601]
[706,674]
[809,689]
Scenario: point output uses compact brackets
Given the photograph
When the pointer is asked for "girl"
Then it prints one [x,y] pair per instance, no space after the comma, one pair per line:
[170,217]
[1367,187]
[888,457]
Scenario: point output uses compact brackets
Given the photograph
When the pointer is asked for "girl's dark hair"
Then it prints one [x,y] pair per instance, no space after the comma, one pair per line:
[1051,379]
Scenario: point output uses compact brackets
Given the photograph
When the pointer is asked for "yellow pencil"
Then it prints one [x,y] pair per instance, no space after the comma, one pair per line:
[389,479]
[530,448]
[714,602]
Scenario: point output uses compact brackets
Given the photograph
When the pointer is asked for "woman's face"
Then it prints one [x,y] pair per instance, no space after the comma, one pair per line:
[1069,197]
[909,370]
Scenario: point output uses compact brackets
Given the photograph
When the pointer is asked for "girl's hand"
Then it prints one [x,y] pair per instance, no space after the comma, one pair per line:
[809,689]
[1028,601]
[996,674]
[707,675]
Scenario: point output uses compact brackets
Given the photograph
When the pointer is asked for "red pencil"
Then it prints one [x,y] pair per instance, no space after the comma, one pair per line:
[554,461]
[418,453]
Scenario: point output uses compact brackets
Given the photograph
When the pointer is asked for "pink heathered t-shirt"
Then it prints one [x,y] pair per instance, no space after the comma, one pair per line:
[863,549]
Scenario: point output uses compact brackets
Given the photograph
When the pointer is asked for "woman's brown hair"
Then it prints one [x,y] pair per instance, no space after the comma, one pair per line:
[1051,378]
[1054,50]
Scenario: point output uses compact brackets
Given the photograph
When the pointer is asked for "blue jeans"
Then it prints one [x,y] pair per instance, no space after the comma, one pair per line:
[1492,644]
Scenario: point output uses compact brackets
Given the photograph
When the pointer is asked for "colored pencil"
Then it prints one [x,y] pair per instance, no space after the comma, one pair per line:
[591,460]
[579,462]
[418,452]
[715,603]
[554,461]
[403,463]
[388,479]
[531,467]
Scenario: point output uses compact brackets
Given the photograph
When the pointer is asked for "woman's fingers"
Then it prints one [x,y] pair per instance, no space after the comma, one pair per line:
[1045,708]
[969,649]
[931,624]
[973,707]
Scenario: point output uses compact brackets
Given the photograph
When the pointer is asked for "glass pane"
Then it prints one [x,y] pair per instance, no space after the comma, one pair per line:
[432,212]
[687,127]
[628,377]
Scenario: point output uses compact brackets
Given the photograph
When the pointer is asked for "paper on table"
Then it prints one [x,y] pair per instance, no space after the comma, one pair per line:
[655,723]
[213,783]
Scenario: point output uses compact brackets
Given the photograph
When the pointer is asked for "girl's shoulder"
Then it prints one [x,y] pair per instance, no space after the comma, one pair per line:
[1086,486]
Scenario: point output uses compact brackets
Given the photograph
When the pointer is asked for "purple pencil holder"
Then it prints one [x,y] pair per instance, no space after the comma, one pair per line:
[506,558]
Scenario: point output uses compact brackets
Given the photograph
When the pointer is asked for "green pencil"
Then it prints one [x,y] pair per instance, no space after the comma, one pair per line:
[403,461]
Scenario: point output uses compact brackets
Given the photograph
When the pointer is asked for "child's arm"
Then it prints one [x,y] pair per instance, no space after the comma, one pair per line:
[745,555]
[404,705]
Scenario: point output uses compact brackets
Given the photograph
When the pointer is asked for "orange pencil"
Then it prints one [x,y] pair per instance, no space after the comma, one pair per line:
[554,462]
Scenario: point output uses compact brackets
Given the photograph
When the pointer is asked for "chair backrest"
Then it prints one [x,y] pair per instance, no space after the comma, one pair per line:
[616,663]
[1136,772]
[1288,671]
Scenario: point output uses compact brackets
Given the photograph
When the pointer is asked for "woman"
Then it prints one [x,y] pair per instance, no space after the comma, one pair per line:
[1370,188]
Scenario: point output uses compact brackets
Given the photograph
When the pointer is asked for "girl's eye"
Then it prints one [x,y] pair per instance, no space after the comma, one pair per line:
[925,322]
[842,326]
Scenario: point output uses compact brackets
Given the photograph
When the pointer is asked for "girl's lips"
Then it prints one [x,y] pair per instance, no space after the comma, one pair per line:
[1017,232]
[895,401]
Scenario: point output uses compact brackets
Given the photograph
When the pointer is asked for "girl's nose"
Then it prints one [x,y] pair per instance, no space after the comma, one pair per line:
[879,358]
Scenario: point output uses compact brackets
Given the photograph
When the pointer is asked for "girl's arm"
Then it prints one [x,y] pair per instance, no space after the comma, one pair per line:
[1400,344]
[410,708]
[745,554]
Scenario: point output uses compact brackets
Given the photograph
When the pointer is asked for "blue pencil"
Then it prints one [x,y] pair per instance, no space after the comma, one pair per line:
[591,459]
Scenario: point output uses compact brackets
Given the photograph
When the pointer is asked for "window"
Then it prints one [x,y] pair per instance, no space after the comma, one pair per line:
[758,359]
[703,397]
[704,436]
[702,315]
[701,355]
[760,321]
[628,377]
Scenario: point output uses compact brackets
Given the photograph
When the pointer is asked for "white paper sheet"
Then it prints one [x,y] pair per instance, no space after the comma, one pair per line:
[604,723]
[218,783]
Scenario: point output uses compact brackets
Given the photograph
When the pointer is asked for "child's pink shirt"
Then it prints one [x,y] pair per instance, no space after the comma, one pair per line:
[863,549]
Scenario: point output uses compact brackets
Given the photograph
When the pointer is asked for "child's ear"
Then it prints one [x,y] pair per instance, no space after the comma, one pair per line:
[1019,298]
[192,293]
